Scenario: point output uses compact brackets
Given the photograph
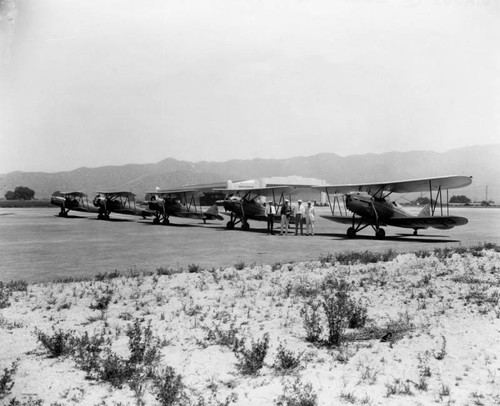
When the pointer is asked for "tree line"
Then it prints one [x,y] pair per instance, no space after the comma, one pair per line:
[20,193]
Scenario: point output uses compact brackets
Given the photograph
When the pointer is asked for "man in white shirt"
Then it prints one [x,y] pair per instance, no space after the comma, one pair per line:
[270,212]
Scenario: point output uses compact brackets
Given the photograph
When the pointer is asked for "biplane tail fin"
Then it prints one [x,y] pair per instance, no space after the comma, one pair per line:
[425,212]
[213,213]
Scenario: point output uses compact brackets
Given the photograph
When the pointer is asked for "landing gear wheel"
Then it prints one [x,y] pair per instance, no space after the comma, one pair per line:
[415,232]
[380,234]
[351,232]
[166,222]
[106,217]
[100,216]
[156,220]
[245,226]
[230,225]
[61,214]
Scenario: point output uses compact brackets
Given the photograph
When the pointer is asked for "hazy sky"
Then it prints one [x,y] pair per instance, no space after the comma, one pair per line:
[97,82]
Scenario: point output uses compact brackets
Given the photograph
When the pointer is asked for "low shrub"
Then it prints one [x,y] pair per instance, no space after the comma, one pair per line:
[57,344]
[239,266]
[102,301]
[107,275]
[286,360]
[312,321]
[169,388]
[7,379]
[250,361]
[194,268]
[228,338]
[296,393]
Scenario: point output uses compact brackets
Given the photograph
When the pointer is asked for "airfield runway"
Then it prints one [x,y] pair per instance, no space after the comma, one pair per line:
[37,245]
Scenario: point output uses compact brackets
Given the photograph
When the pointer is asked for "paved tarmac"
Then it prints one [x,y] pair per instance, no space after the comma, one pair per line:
[37,245]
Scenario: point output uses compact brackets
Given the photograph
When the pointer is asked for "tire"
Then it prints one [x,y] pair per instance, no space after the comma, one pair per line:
[166,222]
[351,232]
[230,225]
[245,226]
[380,234]
[156,220]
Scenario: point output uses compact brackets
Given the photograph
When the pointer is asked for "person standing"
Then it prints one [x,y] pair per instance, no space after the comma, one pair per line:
[299,214]
[309,213]
[285,217]
[270,212]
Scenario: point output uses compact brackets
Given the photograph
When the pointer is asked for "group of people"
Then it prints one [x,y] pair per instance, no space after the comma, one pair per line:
[286,211]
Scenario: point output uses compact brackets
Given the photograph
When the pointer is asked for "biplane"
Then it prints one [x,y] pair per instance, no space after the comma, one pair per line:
[244,203]
[179,203]
[370,205]
[76,201]
[118,202]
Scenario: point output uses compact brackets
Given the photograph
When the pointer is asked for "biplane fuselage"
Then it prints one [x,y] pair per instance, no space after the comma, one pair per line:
[250,209]
[118,202]
[179,203]
[363,205]
[243,204]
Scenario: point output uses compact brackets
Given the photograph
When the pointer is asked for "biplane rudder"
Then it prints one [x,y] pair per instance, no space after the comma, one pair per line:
[213,213]
[425,212]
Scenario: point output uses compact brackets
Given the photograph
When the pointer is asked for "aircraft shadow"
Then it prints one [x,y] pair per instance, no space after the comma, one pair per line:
[114,220]
[399,237]
[71,216]
[172,225]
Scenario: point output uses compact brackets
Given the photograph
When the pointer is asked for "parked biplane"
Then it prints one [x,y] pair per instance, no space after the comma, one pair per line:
[244,203]
[370,205]
[179,203]
[118,202]
[76,201]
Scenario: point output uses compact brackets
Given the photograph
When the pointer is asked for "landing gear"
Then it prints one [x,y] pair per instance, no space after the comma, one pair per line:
[351,232]
[245,226]
[166,222]
[380,234]
[230,225]
[156,220]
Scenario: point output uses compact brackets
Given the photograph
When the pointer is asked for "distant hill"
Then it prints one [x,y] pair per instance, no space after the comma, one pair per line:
[482,162]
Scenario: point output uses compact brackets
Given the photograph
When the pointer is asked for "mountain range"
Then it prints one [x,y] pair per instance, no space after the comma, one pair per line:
[481,162]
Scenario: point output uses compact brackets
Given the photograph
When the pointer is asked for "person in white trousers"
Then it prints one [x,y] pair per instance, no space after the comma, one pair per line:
[309,213]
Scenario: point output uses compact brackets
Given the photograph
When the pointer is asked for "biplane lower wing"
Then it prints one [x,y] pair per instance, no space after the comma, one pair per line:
[439,222]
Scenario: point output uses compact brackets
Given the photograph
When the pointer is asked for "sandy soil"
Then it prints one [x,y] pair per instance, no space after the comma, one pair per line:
[432,334]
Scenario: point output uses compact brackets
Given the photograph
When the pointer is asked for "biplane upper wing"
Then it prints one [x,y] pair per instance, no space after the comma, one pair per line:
[114,195]
[73,194]
[404,186]
[261,191]
[178,192]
